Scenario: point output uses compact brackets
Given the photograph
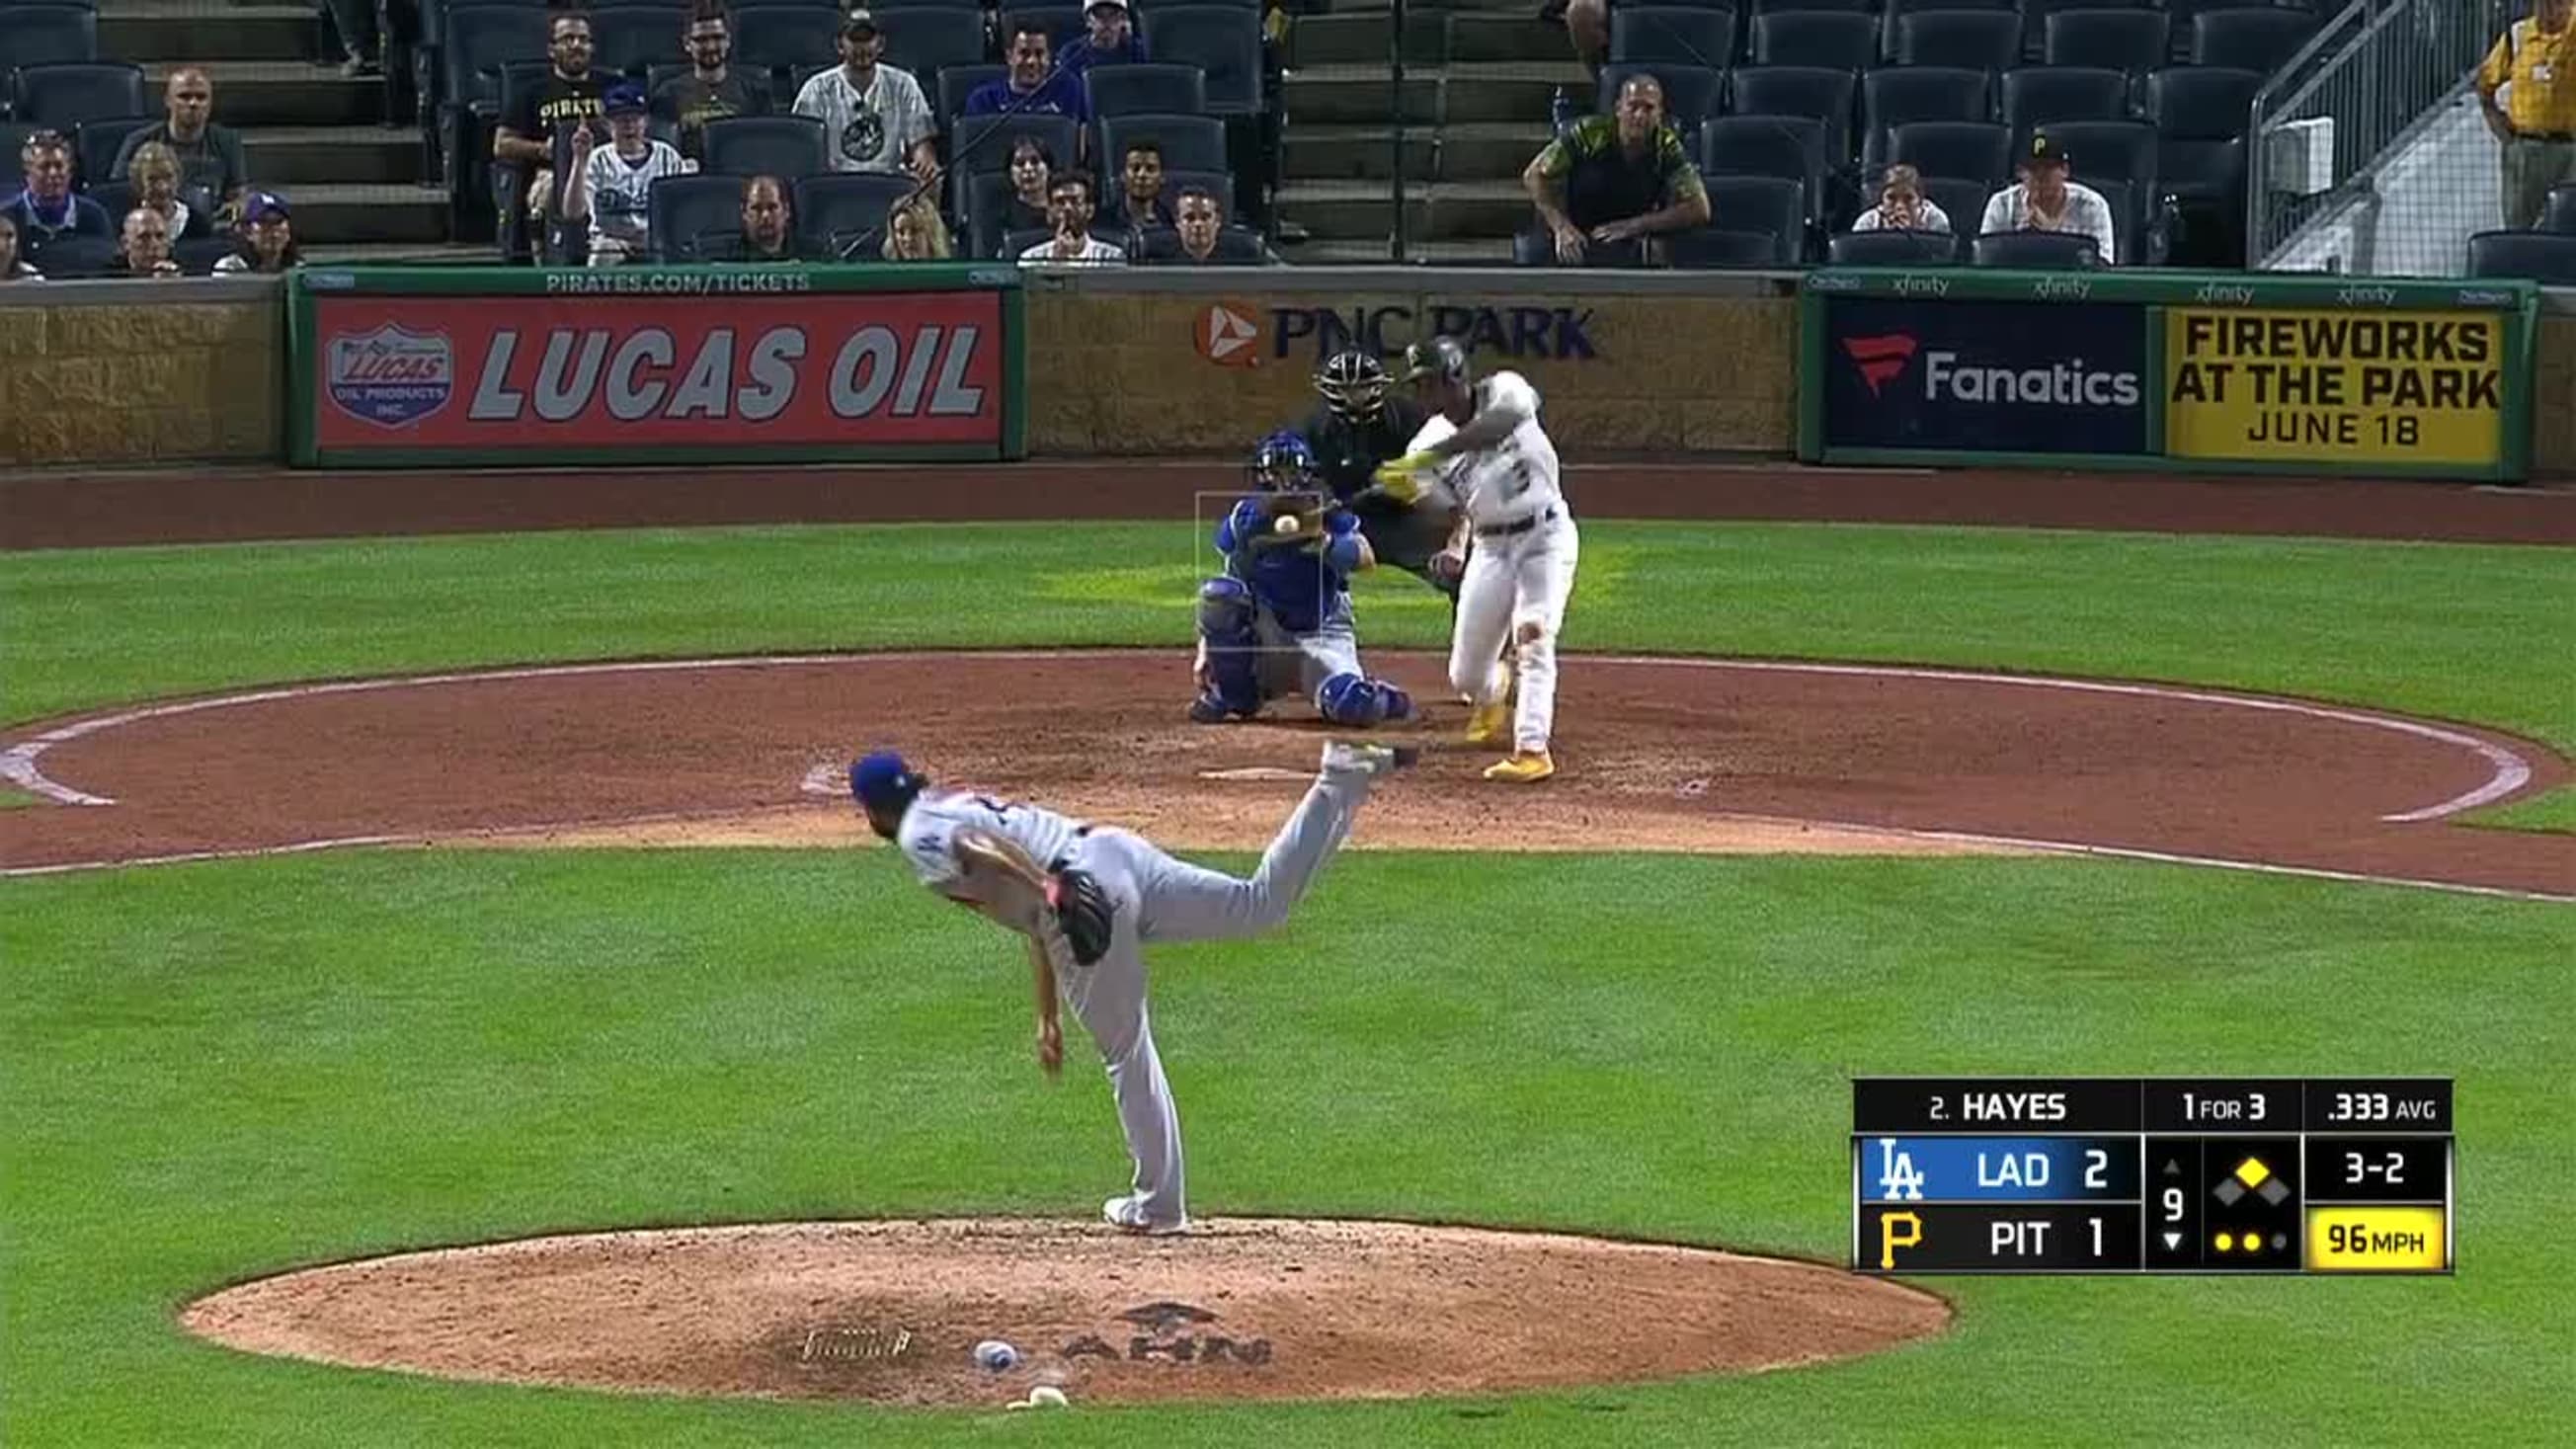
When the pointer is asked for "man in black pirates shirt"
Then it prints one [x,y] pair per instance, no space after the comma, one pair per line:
[713,88]
[1359,427]
[537,127]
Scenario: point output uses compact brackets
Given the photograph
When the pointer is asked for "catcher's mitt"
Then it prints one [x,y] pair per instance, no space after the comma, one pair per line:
[1082,911]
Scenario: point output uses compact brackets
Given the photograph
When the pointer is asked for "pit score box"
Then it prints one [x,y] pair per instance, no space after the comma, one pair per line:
[2152,1175]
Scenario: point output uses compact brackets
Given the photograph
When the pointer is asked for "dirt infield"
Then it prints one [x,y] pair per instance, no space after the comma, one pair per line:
[73,510]
[891,1312]
[1680,754]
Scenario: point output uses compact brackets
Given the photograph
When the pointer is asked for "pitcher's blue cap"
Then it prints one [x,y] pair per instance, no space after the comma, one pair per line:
[882,781]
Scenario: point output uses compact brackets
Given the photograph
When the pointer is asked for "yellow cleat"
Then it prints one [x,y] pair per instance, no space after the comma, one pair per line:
[1489,723]
[1523,768]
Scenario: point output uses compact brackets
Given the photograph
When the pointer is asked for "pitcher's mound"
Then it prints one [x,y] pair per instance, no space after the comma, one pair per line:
[891,1311]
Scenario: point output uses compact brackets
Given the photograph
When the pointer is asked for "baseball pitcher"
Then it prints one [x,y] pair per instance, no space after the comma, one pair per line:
[1358,428]
[1087,899]
[1278,621]
[1484,442]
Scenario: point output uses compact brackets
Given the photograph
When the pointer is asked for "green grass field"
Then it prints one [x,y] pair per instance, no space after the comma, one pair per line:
[216,1071]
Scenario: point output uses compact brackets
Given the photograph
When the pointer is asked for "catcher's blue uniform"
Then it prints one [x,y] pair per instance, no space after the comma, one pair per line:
[1278,622]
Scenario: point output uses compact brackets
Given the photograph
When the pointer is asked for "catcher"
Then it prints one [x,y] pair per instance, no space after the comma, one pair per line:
[1088,898]
[1359,428]
[1278,621]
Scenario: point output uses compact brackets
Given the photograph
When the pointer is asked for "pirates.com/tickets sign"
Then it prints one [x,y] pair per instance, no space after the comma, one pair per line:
[732,364]
[2180,371]
[2420,388]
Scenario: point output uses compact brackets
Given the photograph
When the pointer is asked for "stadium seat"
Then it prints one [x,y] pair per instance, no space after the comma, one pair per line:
[788,147]
[1673,34]
[197,255]
[694,217]
[2249,39]
[988,199]
[1970,39]
[482,41]
[1223,41]
[2201,103]
[116,198]
[1155,88]
[1895,11]
[2561,215]
[795,40]
[1690,91]
[1966,150]
[13,139]
[1794,90]
[1063,23]
[632,37]
[2046,95]
[2035,15]
[47,35]
[1711,248]
[2200,120]
[2539,256]
[2106,150]
[1893,96]
[1789,147]
[69,257]
[1773,7]
[1893,249]
[2054,251]
[1766,204]
[1961,198]
[957,82]
[63,96]
[1190,143]
[843,214]
[1823,39]
[880,7]
[2133,41]
[925,40]
[983,143]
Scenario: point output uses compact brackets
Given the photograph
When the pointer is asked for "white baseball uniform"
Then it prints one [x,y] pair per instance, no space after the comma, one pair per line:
[1522,568]
[1155,897]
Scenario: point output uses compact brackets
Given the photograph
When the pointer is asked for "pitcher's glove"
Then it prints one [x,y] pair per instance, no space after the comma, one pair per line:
[1082,911]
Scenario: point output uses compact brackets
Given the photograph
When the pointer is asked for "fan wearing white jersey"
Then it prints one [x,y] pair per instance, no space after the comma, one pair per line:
[1482,439]
[612,186]
[1087,898]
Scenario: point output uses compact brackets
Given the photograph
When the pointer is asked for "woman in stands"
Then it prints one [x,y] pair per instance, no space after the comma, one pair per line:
[914,231]
[1902,206]
[267,237]
[12,269]
[1032,171]
[155,175]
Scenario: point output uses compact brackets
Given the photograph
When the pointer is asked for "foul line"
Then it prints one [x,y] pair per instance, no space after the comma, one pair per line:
[2510,772]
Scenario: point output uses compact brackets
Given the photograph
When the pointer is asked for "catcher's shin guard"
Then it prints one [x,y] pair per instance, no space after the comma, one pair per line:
[1225,622]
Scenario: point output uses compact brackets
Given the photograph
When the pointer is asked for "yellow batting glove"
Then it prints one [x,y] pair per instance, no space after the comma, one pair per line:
[1402,479]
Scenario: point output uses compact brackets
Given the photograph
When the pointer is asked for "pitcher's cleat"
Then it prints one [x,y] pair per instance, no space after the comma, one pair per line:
[1344,758]
[1523,768]
[1128,1213]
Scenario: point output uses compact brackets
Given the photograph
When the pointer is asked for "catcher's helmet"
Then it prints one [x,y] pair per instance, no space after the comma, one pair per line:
[1353,384]
[1440,357]
[1282,463]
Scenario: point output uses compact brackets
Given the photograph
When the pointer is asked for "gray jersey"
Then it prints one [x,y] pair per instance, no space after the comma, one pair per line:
[928,835]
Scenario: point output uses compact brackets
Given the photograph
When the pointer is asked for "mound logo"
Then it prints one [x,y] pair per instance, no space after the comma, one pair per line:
[390,377]
[1177,1333]
[1880,359]
[1228,337]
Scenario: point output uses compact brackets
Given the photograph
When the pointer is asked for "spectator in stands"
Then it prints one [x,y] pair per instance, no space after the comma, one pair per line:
[1902,206]
[1032,168]
[543,122]
[873,114]
[1614,179]
[1069,211]
[1587,24]
[45,208]
[768,231]
[2045,200]
[1140,194]
[154,174]
[611,184]
[266,238]
[12,269]
[1109,39]
[144,249]
[915,232]
[2527,88]
[355,20]
[1035,86]
[711,90]
[210,156]
[1200,237]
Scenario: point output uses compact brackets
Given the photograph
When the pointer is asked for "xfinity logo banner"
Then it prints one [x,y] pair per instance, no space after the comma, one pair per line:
[1986,377]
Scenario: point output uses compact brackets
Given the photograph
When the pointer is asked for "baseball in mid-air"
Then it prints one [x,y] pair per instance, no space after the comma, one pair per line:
[1285,523]
[996,1355]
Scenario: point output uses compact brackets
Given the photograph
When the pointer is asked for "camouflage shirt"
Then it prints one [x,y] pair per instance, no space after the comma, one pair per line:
[1604,184]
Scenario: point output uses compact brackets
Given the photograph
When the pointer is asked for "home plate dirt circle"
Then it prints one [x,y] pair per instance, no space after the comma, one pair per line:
[1239,1309]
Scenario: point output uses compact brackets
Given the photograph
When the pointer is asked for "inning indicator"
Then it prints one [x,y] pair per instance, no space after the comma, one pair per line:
[2151,1175]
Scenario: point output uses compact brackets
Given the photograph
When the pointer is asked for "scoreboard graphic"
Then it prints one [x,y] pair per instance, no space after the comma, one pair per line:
[2151,1175]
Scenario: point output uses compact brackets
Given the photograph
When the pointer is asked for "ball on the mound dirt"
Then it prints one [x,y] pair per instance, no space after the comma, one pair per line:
[1046,1397]
[996,1355]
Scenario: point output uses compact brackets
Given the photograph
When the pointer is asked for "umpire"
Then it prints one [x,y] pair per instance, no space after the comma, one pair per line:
[1359,427]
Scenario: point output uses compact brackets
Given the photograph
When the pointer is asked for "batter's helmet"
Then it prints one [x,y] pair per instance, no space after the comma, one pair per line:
[1282,463]
[1353,384]
[1441,357]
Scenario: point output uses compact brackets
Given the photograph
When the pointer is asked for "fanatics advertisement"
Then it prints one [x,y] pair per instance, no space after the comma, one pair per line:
[397,378]
[2053,378]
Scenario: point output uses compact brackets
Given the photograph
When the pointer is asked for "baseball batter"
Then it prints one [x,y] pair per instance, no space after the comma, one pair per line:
[1278,622]
[1483,440]
[1087,899]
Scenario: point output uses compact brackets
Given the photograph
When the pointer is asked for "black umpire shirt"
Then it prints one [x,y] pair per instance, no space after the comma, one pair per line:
[1348,451]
